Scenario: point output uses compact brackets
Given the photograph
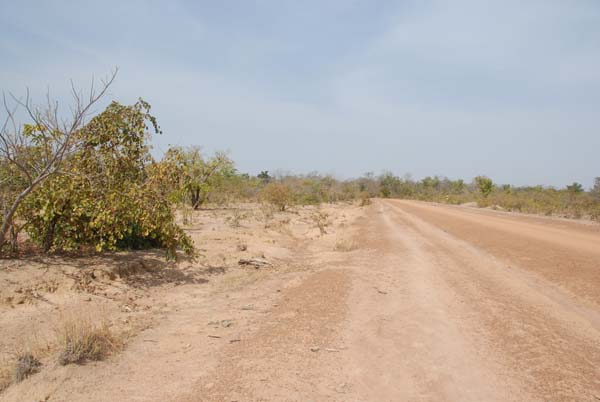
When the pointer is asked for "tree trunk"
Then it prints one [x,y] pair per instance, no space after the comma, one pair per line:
[10,214]
[197,199]
[14,234]
[49,235]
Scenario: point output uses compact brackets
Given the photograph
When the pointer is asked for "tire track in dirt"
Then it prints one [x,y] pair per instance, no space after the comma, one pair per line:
[565,253]
[410,344]
[533,329]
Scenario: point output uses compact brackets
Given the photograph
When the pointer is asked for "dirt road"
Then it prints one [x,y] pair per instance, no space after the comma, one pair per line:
[439,303]
[432,303]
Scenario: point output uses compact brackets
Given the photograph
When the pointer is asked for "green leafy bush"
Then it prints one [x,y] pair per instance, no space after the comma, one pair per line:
[485,185]
[108,196]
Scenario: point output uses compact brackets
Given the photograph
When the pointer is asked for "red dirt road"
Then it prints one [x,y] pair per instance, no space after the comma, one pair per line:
[480,306]
[440,303]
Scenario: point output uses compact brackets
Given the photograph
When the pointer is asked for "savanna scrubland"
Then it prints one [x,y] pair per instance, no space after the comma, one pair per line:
[113,255]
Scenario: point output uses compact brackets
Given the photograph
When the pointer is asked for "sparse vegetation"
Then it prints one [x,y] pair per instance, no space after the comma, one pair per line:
[236,218]
[22,365]
[81,340]
[364,199]
[92,184]
[25,366]
[571,201]
[5,375]
[279,195]
[321,221]
[344,245]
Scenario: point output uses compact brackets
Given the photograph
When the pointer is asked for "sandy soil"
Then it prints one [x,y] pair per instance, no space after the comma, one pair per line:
[399,301]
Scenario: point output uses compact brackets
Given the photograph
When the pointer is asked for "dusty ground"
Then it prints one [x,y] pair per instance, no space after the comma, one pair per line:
[176,318]
[425,303]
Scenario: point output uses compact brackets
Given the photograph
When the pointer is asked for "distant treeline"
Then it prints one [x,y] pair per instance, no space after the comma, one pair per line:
[572,201]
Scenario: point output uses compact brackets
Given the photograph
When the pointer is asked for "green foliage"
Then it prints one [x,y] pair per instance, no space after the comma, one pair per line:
[573,201]
[485,185]
[12,182]
[264,176]
[195,178]
[388,184]
[109,195]
[575,188]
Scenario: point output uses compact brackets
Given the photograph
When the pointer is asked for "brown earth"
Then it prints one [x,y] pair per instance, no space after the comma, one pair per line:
[425,303]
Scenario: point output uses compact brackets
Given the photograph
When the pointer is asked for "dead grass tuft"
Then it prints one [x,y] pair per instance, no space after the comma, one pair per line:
[27,364]
[80,340]
[18,368]
[345,245]
[235,220]
[5,376]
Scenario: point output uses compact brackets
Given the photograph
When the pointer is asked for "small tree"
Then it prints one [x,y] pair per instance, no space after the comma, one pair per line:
[197,176]
[596,187]
[388,184]
[31,154]
[278,194]
[485,185]
[457,186]
[575,188]
[264,176]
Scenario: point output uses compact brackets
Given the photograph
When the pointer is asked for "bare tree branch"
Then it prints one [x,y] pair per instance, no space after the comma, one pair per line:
[41,155]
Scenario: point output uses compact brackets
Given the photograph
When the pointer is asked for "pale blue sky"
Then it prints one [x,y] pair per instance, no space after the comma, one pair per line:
[510,89]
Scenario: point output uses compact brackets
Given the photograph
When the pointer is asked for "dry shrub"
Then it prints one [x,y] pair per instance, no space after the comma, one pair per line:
[5,376]
[279,195]
[235,220]
[25,359]
[267,214]
[321,220]
[80,340]
[364,199]
[27,364]
[18,368]
[344,245]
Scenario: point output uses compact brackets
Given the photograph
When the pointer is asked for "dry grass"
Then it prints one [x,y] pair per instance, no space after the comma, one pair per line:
[27,364]
[5,376]
[345,245]
[25,358]
[80,340]
[321,221]
[18,368]
[236,218]
[364,199]
[239,279]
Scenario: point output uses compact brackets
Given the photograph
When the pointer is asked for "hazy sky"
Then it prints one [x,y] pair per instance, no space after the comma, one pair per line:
[510,89]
